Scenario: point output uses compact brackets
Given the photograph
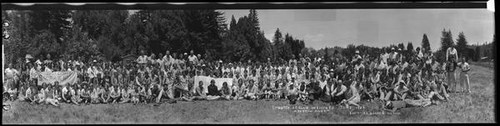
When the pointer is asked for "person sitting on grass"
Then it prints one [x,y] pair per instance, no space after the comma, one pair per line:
[105,95]
[135,96]
[314,91]
[401,91]
[267,90]
[189,95]
[292,94]
[125,94]
[213,93]
[430,99]
[21,96]
[142,94]
[86,94]
[235,90]
[66,94]
[114,94]
[94,97]
[275,89]
[354,96]
[41,94]
[251,92]
[75,94]
[50,93]
[199,92]
[302,92]
[31,94]
[225,91]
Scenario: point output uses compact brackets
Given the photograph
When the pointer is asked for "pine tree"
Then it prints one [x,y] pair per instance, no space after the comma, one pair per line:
[425,43]
[461,45]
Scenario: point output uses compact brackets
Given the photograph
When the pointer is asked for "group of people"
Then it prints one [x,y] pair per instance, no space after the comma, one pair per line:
[398,81]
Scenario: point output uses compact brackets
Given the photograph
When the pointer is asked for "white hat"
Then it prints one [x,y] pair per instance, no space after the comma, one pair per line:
[357,51]
[94,61]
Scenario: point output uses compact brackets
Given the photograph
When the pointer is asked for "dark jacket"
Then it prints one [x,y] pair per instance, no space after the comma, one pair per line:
[212,90]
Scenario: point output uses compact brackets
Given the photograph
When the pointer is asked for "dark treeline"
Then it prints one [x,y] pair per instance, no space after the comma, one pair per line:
[115,34]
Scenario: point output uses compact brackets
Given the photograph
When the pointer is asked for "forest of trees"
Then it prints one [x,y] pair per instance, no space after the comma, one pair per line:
[114,34]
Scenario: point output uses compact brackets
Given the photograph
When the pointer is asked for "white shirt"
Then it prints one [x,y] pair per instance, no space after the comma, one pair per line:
[9,73]
[464,66]
[420,54]
[90,72]
[33,73]
[192,58]
[142,59]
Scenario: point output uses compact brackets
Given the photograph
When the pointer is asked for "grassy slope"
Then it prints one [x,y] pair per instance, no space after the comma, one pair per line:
[476,107]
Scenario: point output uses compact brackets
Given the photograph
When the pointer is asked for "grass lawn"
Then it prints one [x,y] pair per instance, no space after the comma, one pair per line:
[477,107]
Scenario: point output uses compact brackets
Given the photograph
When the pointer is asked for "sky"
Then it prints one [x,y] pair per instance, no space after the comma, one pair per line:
[321,28]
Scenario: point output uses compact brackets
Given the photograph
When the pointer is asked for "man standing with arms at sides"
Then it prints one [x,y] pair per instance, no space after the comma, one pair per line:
[143,58]
[452,58]
[167,58]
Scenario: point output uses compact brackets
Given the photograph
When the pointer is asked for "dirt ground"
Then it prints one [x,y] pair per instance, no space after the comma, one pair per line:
[477,107]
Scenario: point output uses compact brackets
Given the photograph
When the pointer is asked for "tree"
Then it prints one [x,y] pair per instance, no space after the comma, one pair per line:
[401,46]
[461,45]
[425,43]
[278,43]
[446,41]
[233,23]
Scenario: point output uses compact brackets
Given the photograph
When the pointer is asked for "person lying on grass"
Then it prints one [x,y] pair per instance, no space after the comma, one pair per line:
[143,94]
[430,99]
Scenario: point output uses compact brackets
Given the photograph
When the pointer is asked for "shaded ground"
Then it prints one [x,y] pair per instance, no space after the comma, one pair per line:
[476,107]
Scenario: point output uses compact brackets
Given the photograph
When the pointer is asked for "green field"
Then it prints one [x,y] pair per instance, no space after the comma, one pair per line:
[477,107]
